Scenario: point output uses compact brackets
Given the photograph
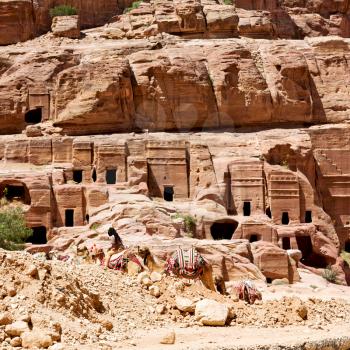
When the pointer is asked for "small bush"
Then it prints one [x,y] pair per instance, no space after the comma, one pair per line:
[63,10]
[133,6]
[13,229]
[228,2]
[329,274]
[189,223]
[95,226]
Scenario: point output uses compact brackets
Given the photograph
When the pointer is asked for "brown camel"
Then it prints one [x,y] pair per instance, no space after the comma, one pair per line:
[202,271]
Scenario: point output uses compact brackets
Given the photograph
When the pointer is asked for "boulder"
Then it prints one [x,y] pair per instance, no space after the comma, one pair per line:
[155,276]
[155,291]
[66,26]
[16,342]
[185,304]
[168,338]
[211,313]
[5,318]
[274,262]
[17,328]
[295,254]
[36,339]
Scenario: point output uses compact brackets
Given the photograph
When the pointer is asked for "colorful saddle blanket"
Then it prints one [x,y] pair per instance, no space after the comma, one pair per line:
[120,260]
[247,291]
[187,264]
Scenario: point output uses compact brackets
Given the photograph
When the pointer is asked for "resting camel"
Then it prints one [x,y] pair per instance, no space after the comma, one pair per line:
[124,260]
[183,264]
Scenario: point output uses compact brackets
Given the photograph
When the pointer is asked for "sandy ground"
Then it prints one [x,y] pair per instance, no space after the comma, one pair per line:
[239,338]
[310,286]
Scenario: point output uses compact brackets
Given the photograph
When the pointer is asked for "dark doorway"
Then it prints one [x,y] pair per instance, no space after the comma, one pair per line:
[223,230]
[94,175]
[347,246]
[305,246]
[38,236]
[246,209]
[268,212]
[15,191]
[308,216]
[34,116]
[285,218]
[286,243]
[87,218]
[254,238]
[268,280]
[69,218]
[168,193]
[78,176]
[111,176]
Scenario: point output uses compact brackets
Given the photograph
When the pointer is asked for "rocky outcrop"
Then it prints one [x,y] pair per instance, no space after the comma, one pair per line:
[66,26]
[288,82]
[98,90]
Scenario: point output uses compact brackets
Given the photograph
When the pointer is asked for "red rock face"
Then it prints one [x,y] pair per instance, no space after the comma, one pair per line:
[236,114]
[16,21]
[91,13]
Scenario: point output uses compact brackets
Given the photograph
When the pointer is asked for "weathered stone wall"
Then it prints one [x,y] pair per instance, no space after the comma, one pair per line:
[190,87]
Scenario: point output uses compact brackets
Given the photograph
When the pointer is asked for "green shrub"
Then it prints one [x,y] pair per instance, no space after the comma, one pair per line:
[329,274]
[133,6]
[95,226]
[63,10]
[13,229]
[228,2]
[189,223]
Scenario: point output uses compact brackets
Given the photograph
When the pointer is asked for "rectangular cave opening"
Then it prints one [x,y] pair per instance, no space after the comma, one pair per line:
[78,176]
[111,176]
[34,116]
[308,216]
[246,208]
[304,245]
[285,218]
[168,193]
[38,236]
[69,217]
[286,243]
[347,246]
[254,238]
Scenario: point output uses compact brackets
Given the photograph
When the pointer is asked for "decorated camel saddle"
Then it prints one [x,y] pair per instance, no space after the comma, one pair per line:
[247,291]
[186,264]
[118,261]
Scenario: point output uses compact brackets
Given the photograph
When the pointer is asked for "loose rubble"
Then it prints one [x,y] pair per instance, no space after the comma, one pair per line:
[85,304]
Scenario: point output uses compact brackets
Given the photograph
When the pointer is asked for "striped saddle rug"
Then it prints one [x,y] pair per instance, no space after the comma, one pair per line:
[186,264]
[247,291]
[120,260]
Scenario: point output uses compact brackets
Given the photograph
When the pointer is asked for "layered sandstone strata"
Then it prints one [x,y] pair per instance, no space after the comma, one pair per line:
[185,85]
[182,123]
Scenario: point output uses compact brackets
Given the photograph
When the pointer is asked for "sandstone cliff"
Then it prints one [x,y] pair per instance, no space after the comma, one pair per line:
[233,117]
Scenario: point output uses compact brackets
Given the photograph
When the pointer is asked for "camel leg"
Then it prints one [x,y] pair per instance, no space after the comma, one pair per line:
[207,277]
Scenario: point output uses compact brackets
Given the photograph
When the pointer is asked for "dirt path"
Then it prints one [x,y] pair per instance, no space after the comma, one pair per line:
[200,338]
